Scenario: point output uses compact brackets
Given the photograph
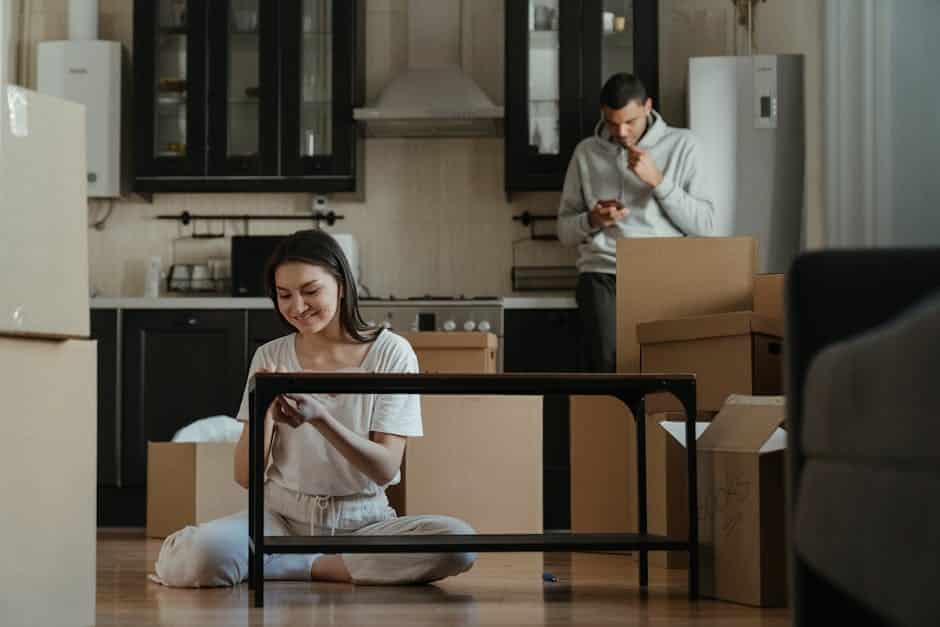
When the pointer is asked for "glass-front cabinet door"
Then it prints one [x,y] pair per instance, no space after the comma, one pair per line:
[558,55]
[246,95]
[170,72]
[318,61]
[542,89]
[620,36]
[243,125]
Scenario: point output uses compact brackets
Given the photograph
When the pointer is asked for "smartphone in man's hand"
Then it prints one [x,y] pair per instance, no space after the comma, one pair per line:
[606,213]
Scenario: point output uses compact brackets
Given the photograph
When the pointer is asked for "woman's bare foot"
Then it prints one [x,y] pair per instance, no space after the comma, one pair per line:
[330,568]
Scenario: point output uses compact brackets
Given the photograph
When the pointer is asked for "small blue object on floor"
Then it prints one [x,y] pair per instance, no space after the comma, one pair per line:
[549,577]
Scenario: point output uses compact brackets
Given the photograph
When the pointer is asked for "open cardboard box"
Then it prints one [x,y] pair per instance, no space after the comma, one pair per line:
[741,503]
[189,483]
[668,482]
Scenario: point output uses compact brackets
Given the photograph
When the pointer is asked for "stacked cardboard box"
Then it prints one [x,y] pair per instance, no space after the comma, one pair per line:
[740,478]
[48,434]
[657,278]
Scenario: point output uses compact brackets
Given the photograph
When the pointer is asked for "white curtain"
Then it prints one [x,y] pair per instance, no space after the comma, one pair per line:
[857,105]
[882,122]
[15,23]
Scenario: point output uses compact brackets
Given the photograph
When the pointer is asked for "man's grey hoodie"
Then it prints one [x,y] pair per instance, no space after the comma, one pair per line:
[598,171]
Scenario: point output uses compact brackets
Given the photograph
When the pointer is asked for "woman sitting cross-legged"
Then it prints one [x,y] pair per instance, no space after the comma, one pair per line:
[329,457]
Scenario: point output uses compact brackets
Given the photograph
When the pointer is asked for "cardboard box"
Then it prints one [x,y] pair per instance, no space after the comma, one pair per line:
[657,278]
[734,353]
[439,352]
[603,469]
[189,483]
[455,351]
[768,296]
[678,277]
[48,442]
[480,460]
[44,216]
[742,518]
[667,482]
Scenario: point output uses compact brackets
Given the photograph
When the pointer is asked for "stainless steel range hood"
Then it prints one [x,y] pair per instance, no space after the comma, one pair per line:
[434,97]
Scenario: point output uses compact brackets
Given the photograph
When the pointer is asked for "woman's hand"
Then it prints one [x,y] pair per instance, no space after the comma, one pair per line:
[297,409]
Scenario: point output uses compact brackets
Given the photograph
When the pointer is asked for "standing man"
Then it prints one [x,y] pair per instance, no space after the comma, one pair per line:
[636,177]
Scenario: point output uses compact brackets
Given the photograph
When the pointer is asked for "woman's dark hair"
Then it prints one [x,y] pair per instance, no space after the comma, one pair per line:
[318,248]
[622,89]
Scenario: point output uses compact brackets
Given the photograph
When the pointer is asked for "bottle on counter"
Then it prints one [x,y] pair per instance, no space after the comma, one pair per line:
[154,276]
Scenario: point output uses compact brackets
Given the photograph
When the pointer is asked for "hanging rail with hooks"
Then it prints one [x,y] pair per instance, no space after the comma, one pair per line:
[185,217]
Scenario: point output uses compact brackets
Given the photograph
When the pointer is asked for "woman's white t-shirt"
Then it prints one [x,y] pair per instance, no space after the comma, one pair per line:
[302,459]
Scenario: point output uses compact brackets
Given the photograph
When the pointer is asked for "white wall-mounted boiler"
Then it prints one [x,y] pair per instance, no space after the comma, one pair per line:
[748,114]
[88,71]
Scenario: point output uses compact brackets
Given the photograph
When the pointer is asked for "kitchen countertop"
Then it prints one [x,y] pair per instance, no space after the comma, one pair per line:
[180,302]
[515,301]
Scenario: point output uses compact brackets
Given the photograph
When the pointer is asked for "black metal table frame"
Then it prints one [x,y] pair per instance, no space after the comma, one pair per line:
[631,389]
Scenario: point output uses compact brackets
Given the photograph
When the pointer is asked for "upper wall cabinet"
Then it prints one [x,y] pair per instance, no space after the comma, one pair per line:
[559,53]
[246,95]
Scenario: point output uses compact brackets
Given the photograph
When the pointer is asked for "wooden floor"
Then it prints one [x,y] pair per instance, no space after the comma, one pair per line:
[502,589]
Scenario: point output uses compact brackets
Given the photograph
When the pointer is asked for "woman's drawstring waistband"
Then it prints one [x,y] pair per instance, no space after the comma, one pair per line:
[324,504]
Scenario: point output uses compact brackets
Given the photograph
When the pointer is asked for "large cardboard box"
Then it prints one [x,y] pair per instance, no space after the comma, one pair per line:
[668,482]
[480,460]
[733,353]
[657,278]
[189,483]
[48,442]
[742,520]
[768,296]
[439,352]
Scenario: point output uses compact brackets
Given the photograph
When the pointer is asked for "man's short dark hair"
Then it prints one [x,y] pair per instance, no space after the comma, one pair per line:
[622,89]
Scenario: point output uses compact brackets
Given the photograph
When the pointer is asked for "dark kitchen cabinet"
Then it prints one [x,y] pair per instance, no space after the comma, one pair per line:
[548,340]
[559,53]
[246,95]
[263,326]
[116,507]
[104,329]
[179,366]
